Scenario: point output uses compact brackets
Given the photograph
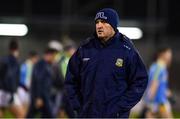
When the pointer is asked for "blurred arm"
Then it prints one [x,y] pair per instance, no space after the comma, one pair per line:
[153,89]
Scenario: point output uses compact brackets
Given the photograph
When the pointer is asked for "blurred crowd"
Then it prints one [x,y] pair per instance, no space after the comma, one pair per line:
[34,88]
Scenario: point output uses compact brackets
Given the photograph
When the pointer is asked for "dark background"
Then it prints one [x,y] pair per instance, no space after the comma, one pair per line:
[53,19]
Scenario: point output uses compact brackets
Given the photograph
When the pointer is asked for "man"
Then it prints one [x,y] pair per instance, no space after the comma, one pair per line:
[41,86]
[9,81]
[59,84]
[69,50]
[156,97]
[25,79]
[106,76]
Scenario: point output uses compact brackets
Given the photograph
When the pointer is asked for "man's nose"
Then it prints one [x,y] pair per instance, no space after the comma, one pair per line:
[99,25]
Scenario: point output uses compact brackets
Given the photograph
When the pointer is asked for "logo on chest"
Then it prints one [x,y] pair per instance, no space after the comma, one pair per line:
[119,62]
[86,59]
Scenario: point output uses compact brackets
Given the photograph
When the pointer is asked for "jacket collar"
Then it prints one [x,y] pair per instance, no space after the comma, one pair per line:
[111,42]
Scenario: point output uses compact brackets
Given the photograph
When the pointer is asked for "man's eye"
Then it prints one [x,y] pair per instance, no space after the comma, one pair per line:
[103,21]
[100,21]
[97,22]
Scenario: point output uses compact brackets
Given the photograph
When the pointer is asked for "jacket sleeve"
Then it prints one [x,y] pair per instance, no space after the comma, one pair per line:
[72,81]
[137,82]
[12,77]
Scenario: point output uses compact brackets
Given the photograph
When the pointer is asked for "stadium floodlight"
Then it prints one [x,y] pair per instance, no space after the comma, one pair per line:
[131,32]
[13,29]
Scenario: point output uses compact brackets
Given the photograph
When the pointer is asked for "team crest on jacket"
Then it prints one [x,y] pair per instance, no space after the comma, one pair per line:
[119,62]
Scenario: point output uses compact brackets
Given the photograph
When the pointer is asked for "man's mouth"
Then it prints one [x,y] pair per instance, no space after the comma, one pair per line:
[100,31]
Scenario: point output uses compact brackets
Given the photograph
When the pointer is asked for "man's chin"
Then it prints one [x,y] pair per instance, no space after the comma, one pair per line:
[100,36]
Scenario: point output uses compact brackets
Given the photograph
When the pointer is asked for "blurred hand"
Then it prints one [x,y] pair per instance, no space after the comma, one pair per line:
[39,103]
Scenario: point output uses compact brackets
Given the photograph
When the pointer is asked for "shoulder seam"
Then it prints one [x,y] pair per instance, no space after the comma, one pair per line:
[85,42]
[129,44]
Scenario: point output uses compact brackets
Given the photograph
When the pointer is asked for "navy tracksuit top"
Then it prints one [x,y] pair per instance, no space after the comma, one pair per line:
[105,79]
[9,74]
[42,78]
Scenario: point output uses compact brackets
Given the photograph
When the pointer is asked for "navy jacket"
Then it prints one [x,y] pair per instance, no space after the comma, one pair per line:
[105,80]
[9,74]
[45,82]
[42,79]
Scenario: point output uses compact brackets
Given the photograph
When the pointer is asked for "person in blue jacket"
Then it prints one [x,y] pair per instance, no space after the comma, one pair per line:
[41,86]
[26,69]
[106,76]
[158,94]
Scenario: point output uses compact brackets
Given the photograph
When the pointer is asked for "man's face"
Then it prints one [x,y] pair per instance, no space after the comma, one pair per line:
[71,51]
[54,57]
[51,57]
[16,53]
[168,56]
[104,30]
[35,59]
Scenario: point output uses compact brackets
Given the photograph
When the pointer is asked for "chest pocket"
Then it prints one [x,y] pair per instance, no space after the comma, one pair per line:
[89,60]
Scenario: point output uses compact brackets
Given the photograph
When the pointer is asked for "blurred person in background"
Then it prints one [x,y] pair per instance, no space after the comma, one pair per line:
[25,79]
[9,81]
[41,87]
[55,44]
[69,50]
[57,93]
[157,93]
[106,76]
[60,66]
